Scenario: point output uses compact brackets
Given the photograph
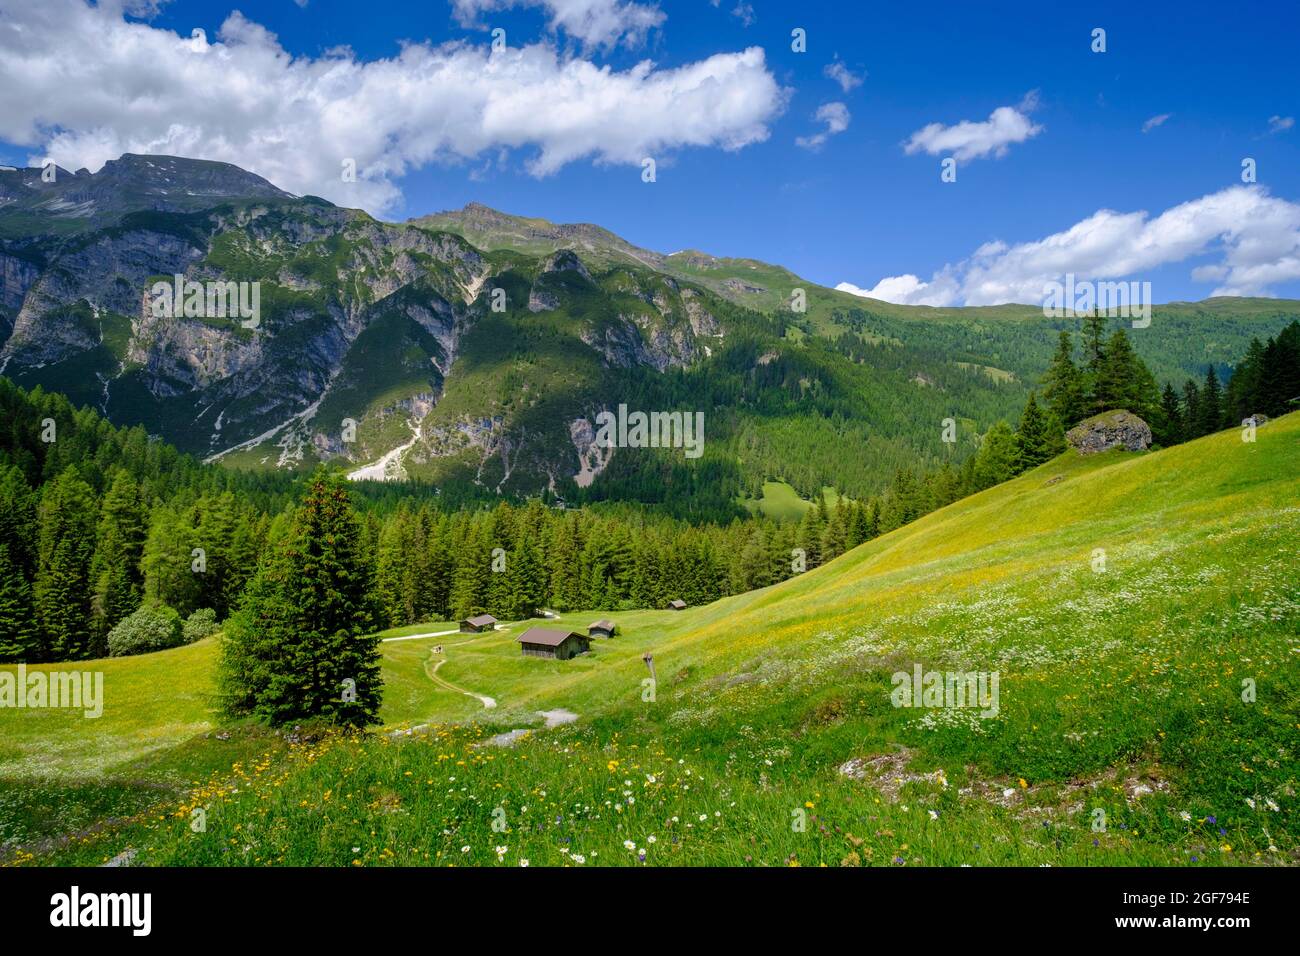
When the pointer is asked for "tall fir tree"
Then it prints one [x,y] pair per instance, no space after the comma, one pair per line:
[1210,412]
[1191,415]
[19,640]
[754,570]
[809,536]
[302,646]
[1116,384]
[1063,387]
[526,578]
[1168,428]
[1038,436]
[996,460]
[18,519]
[115,568]
[62,589]
[835,535]
[1094,356]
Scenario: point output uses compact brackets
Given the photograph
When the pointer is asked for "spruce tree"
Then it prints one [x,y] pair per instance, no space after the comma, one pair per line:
[302,644]
[996,460]
[873,520]
[834,541]
[563,560]
[1063,384]
[392,559]
[1191,411]
[1094,352]
[18,519]
[115,568]
[1210,412]
[945,485]
[1117,379]
[1035,438]
[62,589]
[1286,379]
[1169,426]
[809,536]
[754,569]
[469,580]
[169,560]
[19,638]
[526,577]
[1243,391]
[857,532]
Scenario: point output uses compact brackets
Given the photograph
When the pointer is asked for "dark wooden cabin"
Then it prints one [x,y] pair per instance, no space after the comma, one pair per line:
[547,642]
[479,624]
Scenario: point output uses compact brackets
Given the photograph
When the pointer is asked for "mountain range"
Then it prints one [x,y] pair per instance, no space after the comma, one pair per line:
[473,348]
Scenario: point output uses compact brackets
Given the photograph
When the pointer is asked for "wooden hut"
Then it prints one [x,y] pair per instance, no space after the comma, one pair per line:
[479,624]
[677,605]
[548,642]
[602,628]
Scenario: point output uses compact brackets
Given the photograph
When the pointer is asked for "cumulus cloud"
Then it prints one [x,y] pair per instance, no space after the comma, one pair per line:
[1277,124]
[82,85]
[598,23]
[841,74]
[907,290]
[969,139]
[1255,236]
[835,116]
[1153,122]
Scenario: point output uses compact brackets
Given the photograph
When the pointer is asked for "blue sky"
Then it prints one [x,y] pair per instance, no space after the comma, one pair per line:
[859,207]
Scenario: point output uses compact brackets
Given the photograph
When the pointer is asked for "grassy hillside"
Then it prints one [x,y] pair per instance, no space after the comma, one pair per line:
[771,738]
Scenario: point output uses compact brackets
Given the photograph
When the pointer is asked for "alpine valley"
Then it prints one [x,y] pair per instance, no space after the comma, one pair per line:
[474,350]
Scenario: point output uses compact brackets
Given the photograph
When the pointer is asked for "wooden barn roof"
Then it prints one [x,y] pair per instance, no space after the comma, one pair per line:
[547,637]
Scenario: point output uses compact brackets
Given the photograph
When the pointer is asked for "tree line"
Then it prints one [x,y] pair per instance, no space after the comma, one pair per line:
[100,524]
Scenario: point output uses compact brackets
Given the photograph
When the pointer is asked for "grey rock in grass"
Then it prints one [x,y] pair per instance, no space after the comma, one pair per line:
[1115,429]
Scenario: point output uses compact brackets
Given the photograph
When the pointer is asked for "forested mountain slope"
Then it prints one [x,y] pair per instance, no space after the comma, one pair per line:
[475,350]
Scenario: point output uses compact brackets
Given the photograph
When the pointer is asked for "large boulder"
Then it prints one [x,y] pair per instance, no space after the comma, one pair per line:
[1117,429]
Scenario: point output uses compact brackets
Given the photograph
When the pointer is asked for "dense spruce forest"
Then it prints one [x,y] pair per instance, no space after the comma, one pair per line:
[113,543]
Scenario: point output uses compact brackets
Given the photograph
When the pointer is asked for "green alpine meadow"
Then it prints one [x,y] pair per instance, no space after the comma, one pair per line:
[1139,608]
[825,469]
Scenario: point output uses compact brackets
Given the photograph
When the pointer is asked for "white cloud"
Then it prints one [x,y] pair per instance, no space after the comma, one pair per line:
[744,12]
[906,290]
[599,23]
[836,117]
[972,140]
[1155,121]
[1277,124]
[1255,236]
[841,74]
[80,85]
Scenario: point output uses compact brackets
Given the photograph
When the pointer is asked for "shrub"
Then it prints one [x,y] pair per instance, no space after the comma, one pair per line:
[199,625]
[153,627]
